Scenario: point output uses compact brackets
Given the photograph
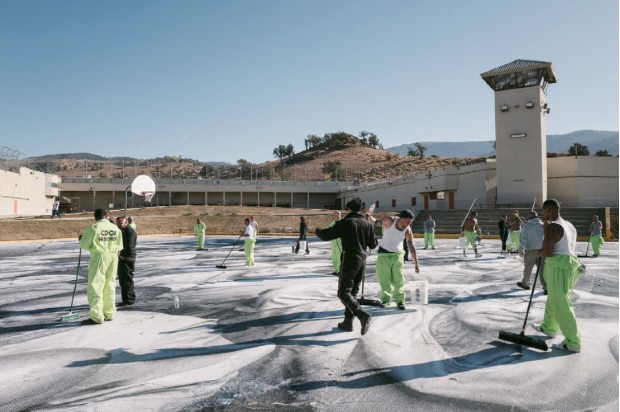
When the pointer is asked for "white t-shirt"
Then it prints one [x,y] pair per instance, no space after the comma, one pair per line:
[249,230]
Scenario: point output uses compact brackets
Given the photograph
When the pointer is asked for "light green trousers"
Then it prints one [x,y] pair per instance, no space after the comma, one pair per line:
[101,289]
[336,253]
[201,240]
[597,241]
[561,274]
[248,248]
[390,276]
[471,239]
[515,237]
[429,239]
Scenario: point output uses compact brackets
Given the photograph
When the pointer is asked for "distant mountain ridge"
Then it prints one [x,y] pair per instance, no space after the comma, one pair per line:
[556,143]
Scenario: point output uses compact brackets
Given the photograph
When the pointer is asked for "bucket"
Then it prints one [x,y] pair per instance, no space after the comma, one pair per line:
[462,241]
[419,292]
[302,245]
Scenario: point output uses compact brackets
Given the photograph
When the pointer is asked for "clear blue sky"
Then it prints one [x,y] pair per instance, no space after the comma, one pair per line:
[228,80]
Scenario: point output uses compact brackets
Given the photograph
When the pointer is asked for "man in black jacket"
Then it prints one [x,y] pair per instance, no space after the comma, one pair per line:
[357,235]
[503,227]
[127,262]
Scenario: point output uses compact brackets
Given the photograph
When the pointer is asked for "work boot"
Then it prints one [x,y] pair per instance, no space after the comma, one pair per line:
[522,286]
[365,319]
[89,321]
[346,325]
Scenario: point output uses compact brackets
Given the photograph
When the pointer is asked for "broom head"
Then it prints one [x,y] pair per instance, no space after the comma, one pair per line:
[521,339]
[368,302]
[69,317]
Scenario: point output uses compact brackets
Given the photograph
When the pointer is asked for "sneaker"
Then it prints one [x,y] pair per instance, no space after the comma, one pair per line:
[365,319]
[537,328]
[108,319]
[123,304]
[425,248]
[335,274]
[346,325]
[522,286]
[433,247]
[563,346]
[545,292]
[384,305]
[464,254]
[401,306]
[89,321]
[478,255]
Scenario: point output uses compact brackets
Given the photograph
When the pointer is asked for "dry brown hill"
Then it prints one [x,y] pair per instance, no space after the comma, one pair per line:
[344,158]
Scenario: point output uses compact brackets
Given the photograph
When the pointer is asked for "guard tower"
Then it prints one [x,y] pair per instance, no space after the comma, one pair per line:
[521,130]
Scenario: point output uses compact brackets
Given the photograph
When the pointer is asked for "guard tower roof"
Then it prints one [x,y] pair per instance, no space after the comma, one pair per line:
[520,73]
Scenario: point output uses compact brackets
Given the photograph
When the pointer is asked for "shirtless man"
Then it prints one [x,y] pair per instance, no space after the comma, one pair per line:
[470,230]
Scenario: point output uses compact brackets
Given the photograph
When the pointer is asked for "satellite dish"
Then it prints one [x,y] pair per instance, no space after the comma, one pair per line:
[142,185]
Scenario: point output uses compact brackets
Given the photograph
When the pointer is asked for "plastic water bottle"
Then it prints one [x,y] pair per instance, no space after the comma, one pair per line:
[176,302]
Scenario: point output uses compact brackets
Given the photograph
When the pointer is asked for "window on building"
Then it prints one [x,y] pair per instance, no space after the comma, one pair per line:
[377,204]
[393,202]
[432,196]
[414,201]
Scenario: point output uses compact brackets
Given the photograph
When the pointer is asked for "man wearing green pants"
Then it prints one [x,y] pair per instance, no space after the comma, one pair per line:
[596,235]
[471,230]
[336,246]
[429,232]
[562,271]
[104,241]
[199,230]
[250,241]
[390,257]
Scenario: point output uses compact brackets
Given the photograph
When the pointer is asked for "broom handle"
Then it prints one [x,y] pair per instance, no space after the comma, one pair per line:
[531,294]
[467,215]
[231,249]
[76,279]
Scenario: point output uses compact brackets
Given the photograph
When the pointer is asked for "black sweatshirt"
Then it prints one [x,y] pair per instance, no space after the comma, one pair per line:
[355,232]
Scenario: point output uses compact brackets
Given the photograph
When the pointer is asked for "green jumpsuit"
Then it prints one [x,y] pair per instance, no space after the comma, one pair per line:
[199,230]
[104,241]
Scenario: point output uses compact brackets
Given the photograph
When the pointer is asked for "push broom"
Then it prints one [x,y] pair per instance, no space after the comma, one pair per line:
[222,265]
[72,316]
[520,338]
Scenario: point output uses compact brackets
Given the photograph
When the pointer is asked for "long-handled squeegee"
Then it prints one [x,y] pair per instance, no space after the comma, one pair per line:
[520,338]
[222,265]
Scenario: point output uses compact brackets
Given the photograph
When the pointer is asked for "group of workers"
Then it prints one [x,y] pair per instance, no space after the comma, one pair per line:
[250,232]
[112,250]
[552,244]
